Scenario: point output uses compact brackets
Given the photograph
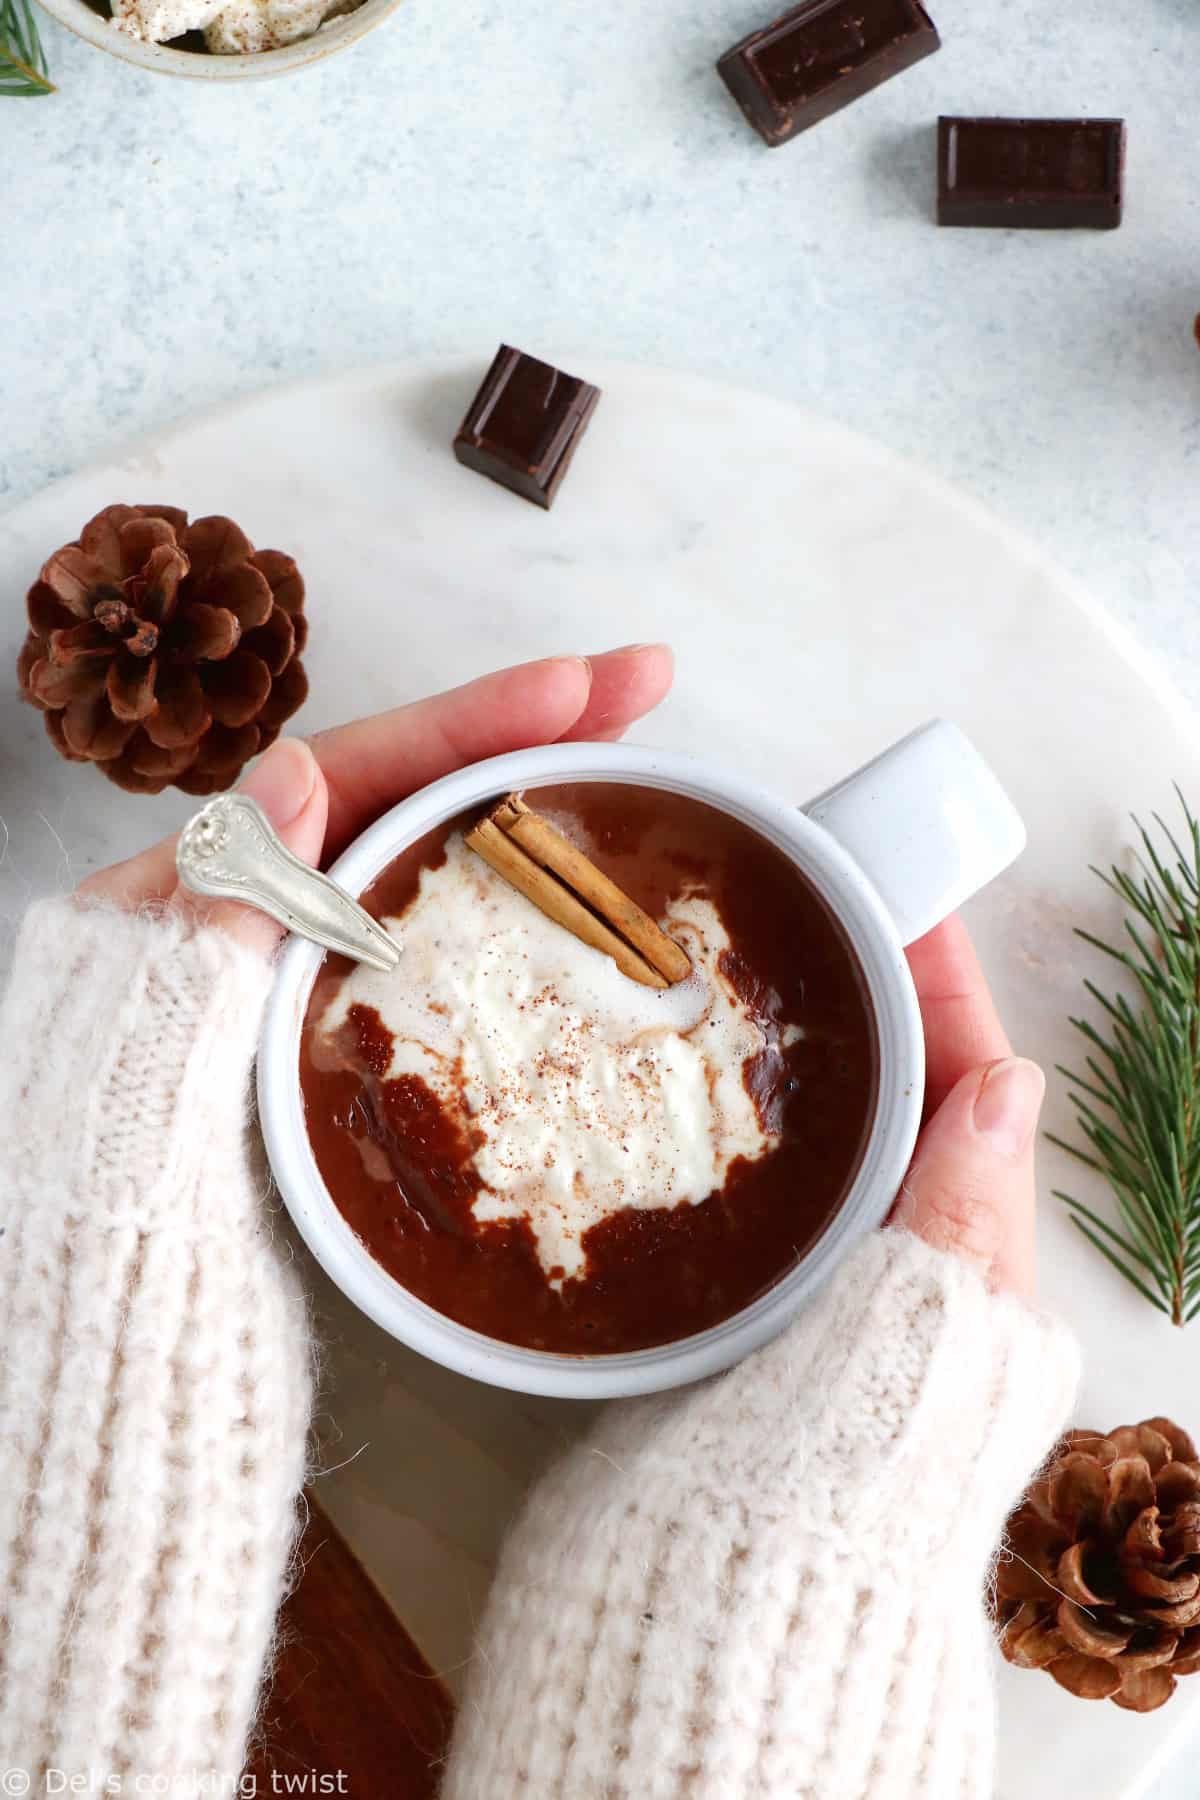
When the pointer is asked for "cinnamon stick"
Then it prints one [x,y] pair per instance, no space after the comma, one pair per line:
[553,851]
[556,901]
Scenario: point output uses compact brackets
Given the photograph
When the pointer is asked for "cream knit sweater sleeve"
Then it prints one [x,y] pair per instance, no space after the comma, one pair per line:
[768,1586]
[771,1587]
[154,1363]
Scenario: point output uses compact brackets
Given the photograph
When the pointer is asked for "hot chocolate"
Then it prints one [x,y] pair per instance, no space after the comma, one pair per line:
[546,1150]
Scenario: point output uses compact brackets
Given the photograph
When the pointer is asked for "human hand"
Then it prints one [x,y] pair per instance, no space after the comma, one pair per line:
[319,795]
[970,1189]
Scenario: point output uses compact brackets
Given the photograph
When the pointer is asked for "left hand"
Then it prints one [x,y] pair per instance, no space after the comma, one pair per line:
[318,795]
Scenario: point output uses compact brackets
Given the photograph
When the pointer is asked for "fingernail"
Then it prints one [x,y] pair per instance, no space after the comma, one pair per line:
[630,649]
[1008,1103]
[282,782]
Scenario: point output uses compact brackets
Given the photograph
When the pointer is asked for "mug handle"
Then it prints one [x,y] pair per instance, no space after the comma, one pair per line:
[927,822]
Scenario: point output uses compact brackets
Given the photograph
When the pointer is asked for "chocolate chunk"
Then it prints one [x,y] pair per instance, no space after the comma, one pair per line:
[821,56]
[1031,172]
[524,425]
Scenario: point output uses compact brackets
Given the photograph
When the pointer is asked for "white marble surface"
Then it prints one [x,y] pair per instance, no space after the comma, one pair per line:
[800,666]
[575,178]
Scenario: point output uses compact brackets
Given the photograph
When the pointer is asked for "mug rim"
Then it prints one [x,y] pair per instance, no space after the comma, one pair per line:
[882,1164]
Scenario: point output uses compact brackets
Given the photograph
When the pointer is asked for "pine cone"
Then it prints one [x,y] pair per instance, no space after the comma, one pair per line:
[162,651]
[1102,1587]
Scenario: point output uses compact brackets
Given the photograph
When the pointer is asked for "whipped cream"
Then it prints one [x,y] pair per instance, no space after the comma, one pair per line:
[590,1092]
[230,27]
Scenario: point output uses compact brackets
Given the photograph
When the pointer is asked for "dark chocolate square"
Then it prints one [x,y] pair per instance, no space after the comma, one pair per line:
[1033,173]
[524,425]
[821,56]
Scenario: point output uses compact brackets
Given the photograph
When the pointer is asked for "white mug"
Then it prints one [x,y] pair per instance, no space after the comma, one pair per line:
[892,850]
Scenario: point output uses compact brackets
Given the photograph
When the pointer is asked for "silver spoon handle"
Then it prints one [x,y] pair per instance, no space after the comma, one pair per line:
[228,851]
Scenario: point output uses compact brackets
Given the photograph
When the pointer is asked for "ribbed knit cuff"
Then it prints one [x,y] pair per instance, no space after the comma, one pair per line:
[155,1377]
[905,1375]
[915,1379]
[128,1044]
[773,1583]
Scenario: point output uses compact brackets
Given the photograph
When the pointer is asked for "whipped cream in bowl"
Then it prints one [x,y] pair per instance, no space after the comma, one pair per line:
[222,40]
[229,27]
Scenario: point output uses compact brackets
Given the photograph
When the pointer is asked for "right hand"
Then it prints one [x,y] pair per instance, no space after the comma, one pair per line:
[970,1189]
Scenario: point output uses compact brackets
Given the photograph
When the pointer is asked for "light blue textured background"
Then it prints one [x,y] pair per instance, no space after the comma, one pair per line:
[570,174]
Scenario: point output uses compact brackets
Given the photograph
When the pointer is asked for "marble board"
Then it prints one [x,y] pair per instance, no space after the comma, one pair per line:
[823,597]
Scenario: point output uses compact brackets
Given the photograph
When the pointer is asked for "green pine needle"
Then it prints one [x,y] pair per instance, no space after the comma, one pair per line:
[22,59]
[1138,1105]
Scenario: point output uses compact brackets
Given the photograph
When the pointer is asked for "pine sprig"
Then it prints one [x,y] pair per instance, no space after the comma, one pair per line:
[1138,1105]
[22,59]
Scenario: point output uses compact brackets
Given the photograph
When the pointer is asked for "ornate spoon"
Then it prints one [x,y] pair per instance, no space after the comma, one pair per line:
[228,851]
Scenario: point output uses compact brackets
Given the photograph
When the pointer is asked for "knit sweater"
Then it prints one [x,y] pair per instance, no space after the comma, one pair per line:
[154,1365]
[767,1585]
[772,1585]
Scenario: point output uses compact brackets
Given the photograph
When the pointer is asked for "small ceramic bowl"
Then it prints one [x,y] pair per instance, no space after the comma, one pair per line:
[198,65]
[891,850]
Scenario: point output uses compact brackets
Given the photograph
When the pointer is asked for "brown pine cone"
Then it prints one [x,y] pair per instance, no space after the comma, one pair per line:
[1100,1581]
[162,651]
